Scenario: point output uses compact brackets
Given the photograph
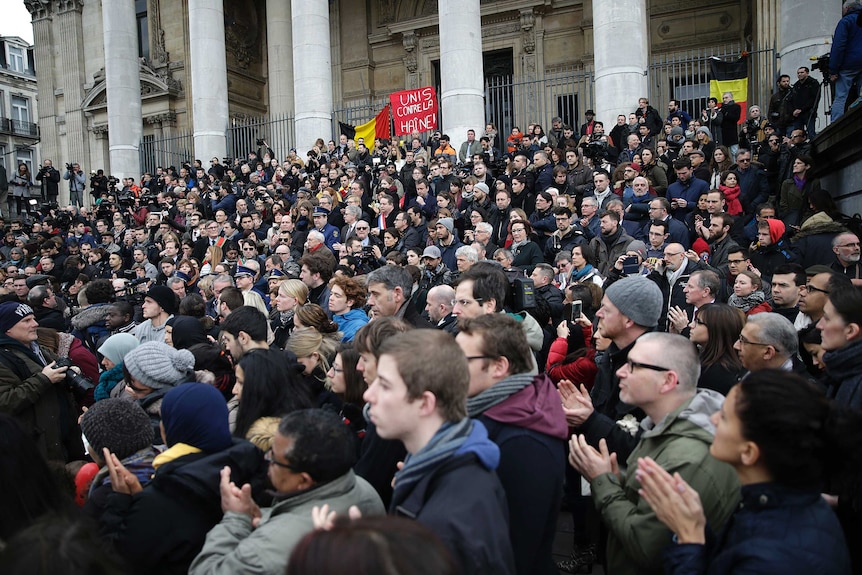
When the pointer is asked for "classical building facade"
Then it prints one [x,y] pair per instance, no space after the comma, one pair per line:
[19,130]
[303,60]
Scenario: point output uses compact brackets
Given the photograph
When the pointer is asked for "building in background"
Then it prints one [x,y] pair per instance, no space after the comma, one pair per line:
[19,128]
[540,59]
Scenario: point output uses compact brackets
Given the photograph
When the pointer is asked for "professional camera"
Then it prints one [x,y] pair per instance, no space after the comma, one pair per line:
[69,166]
[521,293]
[821,63]
[76,381]
[259,142]
[596,150]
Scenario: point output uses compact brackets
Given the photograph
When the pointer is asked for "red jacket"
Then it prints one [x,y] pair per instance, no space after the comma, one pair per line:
[582,370]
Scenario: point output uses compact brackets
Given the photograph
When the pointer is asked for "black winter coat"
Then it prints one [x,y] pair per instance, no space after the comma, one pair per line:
[163,528]
[464,504]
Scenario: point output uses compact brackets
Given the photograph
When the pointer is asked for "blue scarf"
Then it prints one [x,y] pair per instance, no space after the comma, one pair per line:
[108,381]
[577,275]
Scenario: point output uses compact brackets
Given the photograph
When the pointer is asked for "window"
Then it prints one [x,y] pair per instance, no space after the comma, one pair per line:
[25,156]
[16,59]
[3,156]
[143,28]
[20,109]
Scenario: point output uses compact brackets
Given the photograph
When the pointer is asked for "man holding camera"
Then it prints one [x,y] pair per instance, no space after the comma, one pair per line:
[49,178]
[33,388]
[77,184]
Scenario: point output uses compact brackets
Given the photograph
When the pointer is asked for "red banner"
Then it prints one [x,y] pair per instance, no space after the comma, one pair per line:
[414,110]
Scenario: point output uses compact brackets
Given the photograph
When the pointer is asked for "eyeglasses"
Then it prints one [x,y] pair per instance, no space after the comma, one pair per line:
[741,339]
[811,288]
[743,160]
[362,228]
[667,255]
[136,389]
[268,456]
[735,261]
[518,230]
[632,365]
[849,245]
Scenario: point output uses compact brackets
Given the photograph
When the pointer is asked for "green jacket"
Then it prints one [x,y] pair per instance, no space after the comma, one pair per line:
[234,546]
[46,411]
[679,443]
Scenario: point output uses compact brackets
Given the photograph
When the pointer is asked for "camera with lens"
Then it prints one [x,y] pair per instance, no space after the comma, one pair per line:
[259,142]
[596,150]
[76,381]
[821,63]
[69,166]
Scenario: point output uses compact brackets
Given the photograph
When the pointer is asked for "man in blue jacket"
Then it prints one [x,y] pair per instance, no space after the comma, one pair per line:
[845,60]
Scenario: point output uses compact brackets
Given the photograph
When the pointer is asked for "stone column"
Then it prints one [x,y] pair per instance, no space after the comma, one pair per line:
[71,42]
[621,57]
[312,72]
[209,78]
[279,40]
[123,87]
[801,41]
[461,72]
[43,43]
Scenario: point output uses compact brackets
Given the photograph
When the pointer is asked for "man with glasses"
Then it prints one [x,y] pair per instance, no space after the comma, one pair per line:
[753,185]
[630,308]
[249,539]
[499,360]
[813,296]
[768,341]
[210,237]
[677,434]
[846,248]
[671,276]
[44,303]
[564,238]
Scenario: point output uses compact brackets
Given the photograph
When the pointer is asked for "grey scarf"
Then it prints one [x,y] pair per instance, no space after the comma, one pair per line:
[497,393]
[448,439]
[745,303]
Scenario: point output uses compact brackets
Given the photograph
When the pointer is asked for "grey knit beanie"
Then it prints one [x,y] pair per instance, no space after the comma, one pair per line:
[157,365]
[118,424]
[637,298]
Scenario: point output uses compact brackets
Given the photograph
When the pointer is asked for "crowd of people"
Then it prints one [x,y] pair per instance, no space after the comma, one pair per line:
[244,368]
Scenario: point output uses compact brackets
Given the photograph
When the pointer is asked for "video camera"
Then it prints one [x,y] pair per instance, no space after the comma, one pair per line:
[595,150]
[821,63]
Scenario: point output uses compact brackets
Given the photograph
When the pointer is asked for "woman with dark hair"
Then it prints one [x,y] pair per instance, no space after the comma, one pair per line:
[267,391]
[527,252]
[712,118]
[312,315]
[571,357]
[348,383]
[714,330]
[370,546]
[785,441]
[720,162]
[28,487]
[793,198]
[654,170]
[582,266]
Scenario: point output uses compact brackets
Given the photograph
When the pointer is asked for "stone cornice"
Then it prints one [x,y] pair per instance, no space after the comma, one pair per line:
[487,9]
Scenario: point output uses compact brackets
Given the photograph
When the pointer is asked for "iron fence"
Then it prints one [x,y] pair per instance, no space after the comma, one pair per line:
[173,150]
[565,92]
[243,135]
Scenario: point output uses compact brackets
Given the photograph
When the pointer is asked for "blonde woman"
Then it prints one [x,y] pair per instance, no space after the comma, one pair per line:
[315,352]
[291,294]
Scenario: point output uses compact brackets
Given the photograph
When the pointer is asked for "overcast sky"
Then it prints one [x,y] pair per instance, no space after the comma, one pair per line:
[16,20]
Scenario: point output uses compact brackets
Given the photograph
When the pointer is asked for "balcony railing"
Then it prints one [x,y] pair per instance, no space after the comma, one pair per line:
[19,128]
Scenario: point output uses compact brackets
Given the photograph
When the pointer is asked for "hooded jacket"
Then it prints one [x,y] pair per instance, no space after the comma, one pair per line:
[530,429]
[679,443]
[812,244]
[767,258]
[462,502]
[845,374]
[162,528]
[350,322]
[846,51]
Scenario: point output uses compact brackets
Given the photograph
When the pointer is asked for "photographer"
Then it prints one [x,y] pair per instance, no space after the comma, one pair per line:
[77,184]
[751,135]
[33,389]
[49,178]
[98,183]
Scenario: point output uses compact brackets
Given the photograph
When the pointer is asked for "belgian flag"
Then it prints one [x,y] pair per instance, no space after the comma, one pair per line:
[376,128]
[730,77]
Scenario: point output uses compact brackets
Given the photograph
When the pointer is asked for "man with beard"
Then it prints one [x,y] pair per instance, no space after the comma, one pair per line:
[565,237]
[611,243]
[846,248]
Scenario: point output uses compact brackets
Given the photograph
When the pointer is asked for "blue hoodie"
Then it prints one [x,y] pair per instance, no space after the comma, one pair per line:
[350,322]
[847,44]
